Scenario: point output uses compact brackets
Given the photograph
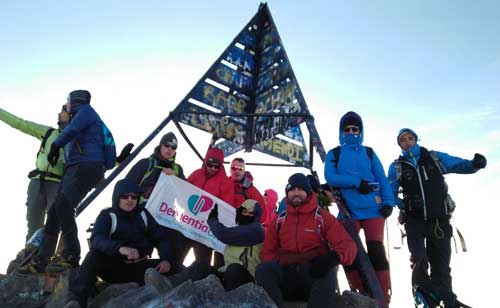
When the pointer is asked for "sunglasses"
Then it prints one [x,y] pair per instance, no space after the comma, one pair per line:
[238,168]
[354,129]
[126,196]
[171,145]
[214,166]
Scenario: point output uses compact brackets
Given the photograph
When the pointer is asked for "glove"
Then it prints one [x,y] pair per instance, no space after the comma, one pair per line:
[214,213]
[53,155]
[479,161]
[364,188]
[402,217]
[124,153]
[321,264]
[386,210]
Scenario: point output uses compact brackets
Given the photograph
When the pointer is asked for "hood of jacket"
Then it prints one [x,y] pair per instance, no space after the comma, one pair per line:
[349,139]
[125,186]
[272,198]
[217,154]
[413,153]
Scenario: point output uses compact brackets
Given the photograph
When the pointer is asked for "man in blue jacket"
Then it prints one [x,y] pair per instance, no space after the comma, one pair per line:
[122,240]
[426,209]
[357,171]
[83,144]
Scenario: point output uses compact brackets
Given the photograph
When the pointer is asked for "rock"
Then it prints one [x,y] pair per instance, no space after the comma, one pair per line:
[248,295]
[179,297]
[111,292]
[209,288]
[134,297]
[356,300]
[23,291]
[60,293]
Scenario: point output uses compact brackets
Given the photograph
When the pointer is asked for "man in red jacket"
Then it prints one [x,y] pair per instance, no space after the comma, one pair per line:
[243,186]
[212,178]
[302,248]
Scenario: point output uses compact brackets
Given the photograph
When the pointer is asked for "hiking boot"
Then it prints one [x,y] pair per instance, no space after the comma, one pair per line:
[72,304]
[424,299]
[161,283]
[31,268]
[62,263]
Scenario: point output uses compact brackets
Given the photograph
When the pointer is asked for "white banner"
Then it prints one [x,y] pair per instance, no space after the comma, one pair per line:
[179,205]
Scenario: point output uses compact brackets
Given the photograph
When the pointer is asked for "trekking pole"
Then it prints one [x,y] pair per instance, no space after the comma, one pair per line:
[105,182]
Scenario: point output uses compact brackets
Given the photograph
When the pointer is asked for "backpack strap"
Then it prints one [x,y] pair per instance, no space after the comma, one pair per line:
[398,168]
[369,152]
[438,162]
[44,139]
[144,218]
[113,223]
[337,151]
[151,166]
[279,220]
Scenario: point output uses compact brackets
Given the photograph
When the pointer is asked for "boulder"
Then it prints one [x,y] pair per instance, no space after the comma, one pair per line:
[110,292]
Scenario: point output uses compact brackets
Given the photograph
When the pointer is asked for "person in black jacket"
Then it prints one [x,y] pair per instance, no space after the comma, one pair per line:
[122,240]
[146,173]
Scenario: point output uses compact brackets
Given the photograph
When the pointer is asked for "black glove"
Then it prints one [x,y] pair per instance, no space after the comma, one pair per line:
[386,211]
[479,161]
[321,264]
[364,188]
[124,153]
[402,217]
[214,213]
[53,155]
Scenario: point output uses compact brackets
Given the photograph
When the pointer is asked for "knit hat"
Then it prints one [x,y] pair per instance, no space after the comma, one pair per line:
[169,139]
[406,130]
[79,97]
[298,180]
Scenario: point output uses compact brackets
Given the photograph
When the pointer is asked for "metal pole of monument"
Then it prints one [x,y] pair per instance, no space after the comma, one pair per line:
[105,182]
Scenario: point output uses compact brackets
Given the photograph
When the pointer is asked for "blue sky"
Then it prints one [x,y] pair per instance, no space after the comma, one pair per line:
[430,65]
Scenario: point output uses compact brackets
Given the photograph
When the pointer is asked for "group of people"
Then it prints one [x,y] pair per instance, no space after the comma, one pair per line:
[293,253]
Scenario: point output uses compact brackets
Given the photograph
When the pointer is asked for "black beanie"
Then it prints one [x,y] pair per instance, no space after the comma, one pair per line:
[169,139]
[298,180]
[78,97]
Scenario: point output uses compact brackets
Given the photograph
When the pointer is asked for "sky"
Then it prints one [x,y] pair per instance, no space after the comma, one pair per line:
[433,66]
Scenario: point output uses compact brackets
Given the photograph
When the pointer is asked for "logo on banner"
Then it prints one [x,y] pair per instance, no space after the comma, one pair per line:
[198,204]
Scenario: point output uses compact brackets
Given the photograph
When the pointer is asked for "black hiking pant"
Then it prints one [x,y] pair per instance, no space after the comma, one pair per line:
[76,182]
[112,269]
[294,283]
[429,243]
[234,276]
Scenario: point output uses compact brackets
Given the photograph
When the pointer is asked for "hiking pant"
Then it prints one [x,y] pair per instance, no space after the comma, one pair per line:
[234,276]
[202,253]
[112,269]
[374,236]
[76,182]
[429,242]
[293,283]
[41,195]
[196,271]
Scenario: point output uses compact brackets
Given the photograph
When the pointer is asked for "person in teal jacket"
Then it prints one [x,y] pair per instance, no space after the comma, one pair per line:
[45,179]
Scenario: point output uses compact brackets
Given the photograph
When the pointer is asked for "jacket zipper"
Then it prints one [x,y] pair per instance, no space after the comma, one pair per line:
[421,187]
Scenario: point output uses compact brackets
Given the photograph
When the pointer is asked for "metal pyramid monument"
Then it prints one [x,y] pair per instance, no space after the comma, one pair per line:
[250,98]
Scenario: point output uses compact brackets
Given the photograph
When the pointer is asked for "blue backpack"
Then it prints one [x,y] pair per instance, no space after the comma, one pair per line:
[109,148]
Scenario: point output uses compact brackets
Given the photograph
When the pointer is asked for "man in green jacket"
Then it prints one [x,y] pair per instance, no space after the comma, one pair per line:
[45,179]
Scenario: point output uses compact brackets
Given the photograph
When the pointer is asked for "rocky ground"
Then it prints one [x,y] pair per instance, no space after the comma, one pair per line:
[33,291]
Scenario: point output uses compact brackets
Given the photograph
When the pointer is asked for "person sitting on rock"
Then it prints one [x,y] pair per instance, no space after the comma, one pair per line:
[302,248]
[241,254]
[122,240]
